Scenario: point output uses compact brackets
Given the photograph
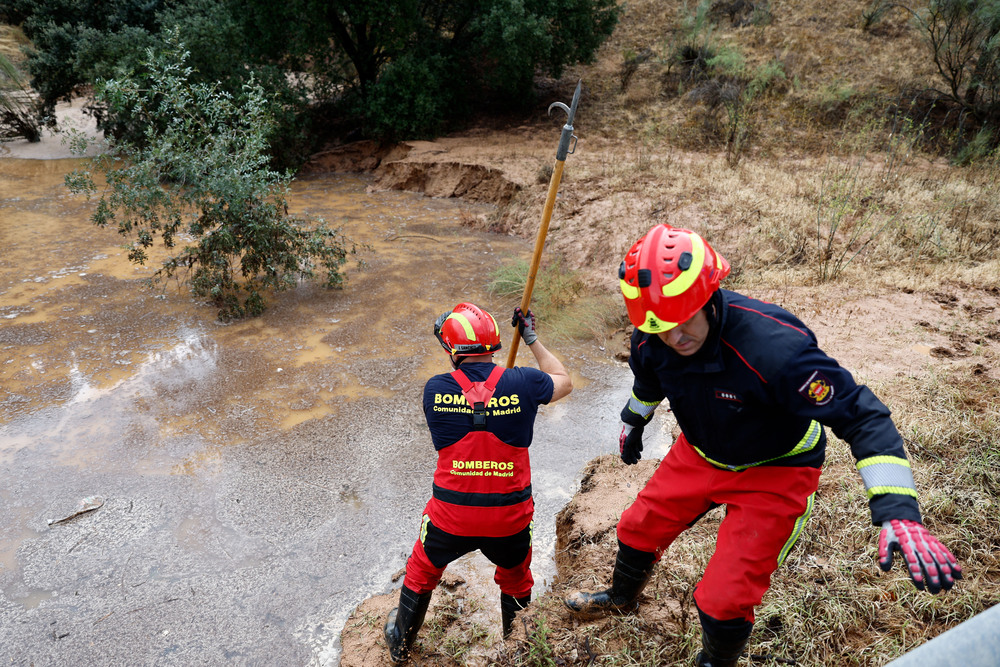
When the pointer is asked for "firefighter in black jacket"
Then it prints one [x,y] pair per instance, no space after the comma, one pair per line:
[751,391]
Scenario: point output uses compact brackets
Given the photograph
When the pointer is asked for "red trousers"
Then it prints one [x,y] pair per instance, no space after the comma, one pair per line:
[436,548]
[766,508]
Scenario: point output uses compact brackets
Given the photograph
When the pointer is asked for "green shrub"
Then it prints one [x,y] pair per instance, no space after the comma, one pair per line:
[964,41]
[566,308]
[410,99]
[408,68]
[201,169]
[978,148]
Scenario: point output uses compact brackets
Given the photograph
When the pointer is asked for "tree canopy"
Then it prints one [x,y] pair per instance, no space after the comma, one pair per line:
[399,68]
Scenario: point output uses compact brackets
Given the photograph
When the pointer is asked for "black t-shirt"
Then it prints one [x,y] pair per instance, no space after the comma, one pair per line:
[510,415]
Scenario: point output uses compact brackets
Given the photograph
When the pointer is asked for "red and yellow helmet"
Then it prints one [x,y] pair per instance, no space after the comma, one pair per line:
[467,330]
[668,276]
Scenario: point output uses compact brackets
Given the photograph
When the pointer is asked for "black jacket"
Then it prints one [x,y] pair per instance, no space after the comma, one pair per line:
[751,393]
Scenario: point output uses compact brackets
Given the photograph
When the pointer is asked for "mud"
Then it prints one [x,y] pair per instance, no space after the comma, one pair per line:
[260,478]
[884,338]
[264,479]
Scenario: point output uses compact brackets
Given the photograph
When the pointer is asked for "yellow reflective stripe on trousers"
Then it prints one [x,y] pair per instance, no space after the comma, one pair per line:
[808,442]
[887,474]
[797,530]
[423,528]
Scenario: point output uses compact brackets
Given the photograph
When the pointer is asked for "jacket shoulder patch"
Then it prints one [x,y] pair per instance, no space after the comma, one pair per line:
[818,389]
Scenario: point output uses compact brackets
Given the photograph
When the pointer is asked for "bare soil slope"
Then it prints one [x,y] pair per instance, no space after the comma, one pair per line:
[899,339]
[922,329]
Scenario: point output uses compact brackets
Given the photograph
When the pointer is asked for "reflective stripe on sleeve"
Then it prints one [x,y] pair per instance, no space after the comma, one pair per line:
[887,474]
[642,408]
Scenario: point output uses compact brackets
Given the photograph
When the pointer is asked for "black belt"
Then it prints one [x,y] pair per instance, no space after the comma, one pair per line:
[482,499]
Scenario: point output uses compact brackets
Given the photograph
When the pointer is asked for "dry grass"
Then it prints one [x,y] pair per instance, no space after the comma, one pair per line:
[831,63]
[649,154]
[827,174]
[564,308]
[11,40]
[829,605]
[833,604]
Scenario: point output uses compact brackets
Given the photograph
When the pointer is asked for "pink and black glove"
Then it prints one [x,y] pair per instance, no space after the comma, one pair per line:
[930,564]
[630,444]
[525,323]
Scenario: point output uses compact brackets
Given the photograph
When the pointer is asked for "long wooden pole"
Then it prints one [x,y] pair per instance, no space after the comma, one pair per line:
[550,201]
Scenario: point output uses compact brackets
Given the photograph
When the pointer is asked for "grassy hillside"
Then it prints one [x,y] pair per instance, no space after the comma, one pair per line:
[834,189]
[828,68]
[801,140]
[807,145]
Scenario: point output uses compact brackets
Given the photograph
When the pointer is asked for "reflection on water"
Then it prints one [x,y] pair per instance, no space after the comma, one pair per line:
[90,416]
[190,359]
[273,469]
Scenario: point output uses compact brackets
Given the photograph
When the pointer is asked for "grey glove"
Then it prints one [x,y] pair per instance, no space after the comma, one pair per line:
[630,444]
[525,324]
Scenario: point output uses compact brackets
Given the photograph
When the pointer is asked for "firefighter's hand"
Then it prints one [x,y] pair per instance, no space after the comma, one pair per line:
[525,323]
[630,443]
[929,562]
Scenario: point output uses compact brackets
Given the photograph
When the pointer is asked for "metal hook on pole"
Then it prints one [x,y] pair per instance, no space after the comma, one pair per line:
[562,151]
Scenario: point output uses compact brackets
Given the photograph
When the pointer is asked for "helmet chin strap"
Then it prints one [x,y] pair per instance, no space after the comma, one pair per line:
[712,309]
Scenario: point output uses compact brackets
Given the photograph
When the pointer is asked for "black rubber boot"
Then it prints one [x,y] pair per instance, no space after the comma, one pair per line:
[722,642]
[632,571]
[403,622]
[509,606]
[719,652]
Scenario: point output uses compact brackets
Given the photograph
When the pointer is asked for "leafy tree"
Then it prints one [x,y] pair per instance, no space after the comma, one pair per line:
[964,41]
[404,68]
[77,41]
[417,64]
[964,36]
[202,171]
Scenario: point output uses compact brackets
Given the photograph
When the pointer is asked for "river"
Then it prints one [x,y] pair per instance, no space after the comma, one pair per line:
[259,479]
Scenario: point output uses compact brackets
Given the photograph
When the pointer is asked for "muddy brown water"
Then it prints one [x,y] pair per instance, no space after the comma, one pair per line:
[259,479]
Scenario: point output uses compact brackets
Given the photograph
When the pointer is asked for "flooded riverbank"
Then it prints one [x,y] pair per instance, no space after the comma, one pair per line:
[260,478]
